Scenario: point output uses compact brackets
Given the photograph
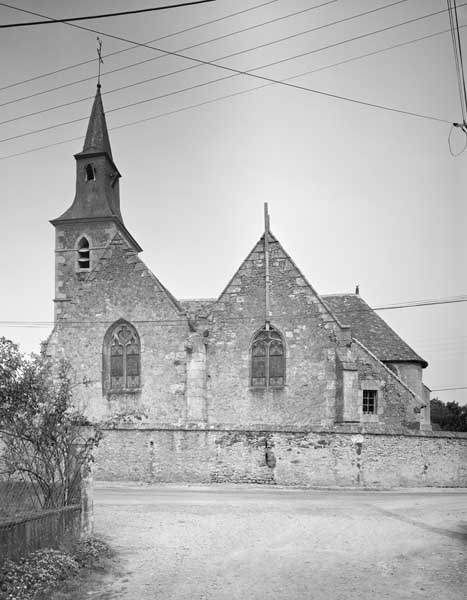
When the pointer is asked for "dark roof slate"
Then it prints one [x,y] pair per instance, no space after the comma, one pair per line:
[370,329]
[97,135]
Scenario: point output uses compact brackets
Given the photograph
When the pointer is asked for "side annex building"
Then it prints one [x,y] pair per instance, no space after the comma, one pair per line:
[269,383]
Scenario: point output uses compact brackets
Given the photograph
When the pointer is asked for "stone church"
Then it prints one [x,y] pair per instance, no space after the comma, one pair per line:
[228,389]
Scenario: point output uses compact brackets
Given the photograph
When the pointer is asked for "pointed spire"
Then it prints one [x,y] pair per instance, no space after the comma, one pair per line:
[97,196]
[97,136]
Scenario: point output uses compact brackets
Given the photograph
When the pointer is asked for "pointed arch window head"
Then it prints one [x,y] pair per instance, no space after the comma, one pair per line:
[121,360]
[267,359]
[90,173]
[84,255]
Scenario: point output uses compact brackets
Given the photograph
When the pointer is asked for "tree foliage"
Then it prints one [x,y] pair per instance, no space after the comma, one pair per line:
[449,416]
[44,441]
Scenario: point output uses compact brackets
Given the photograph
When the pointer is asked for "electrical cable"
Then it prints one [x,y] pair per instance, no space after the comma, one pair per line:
[93,60]
[157,77]
[209,63]
[456,60]
[103,16]
[461,61]
[42,92]
[448,389]
[238,53]
[228,96]
[251,74]
[411,304]
[459,64]
[454,126]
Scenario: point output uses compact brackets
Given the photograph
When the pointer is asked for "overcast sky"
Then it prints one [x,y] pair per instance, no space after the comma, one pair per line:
[356,194]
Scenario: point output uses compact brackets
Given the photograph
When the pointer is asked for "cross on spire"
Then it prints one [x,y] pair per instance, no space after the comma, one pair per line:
[100,61]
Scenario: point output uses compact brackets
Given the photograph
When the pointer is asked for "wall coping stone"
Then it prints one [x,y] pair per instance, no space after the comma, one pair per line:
[349,429]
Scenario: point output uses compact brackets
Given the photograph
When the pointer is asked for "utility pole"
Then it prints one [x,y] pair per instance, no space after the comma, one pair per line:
[266,263]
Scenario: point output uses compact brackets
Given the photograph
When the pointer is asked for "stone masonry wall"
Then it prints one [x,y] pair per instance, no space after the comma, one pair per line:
[309,333]
[122,287]
[198,370]
[339,457]
[396,406]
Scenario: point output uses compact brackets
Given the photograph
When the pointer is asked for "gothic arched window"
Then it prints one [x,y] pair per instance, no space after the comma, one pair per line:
[121,360]
[267,359]
[84,254]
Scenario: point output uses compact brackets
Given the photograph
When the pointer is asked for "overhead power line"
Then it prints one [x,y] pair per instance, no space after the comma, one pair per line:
[50,20]
[456,42]
[449,389]
[252,74]
[93,60]
[157,77]
[411,304]
[423,303]
[230,95]
[457,47]
[125,67]
[231,55]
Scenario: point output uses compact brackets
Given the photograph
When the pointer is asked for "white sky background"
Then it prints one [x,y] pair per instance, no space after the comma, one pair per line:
[356,194]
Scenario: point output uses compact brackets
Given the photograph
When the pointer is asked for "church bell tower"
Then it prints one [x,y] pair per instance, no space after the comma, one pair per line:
[86,228]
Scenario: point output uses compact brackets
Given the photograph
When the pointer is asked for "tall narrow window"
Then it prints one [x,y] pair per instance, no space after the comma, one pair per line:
[121,368]
[267,359]
[90,173]
[84,255]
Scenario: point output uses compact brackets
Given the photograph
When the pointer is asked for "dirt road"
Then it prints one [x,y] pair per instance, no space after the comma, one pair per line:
[242,543]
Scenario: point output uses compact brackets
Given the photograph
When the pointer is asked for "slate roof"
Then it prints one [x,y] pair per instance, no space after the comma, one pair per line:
[370,329]
[97,135]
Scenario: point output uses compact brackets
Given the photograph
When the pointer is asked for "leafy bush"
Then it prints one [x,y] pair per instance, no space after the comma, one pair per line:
[27,578]
[42,570]
[42,438]
[90,551]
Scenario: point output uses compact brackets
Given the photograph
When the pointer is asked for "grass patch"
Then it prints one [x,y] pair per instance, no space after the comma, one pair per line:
[44,573]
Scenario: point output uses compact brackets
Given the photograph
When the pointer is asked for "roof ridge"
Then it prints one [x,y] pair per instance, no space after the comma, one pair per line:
[341,294]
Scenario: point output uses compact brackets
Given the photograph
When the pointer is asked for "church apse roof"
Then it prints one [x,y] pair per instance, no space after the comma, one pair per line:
[370,329]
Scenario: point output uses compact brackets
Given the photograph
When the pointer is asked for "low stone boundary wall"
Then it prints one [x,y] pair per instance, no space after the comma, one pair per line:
[299,457]
[45,529]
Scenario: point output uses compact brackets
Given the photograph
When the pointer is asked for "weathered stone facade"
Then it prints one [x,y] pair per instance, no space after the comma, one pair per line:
[200,376]
[334,456]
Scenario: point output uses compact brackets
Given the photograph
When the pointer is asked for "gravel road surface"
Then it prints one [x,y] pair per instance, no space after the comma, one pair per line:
[254,542]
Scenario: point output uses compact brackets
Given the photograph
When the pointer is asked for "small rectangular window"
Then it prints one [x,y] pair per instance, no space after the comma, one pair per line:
[369,401]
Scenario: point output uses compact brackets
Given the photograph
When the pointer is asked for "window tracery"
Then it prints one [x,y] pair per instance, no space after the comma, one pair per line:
[122,370]
[267,359]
